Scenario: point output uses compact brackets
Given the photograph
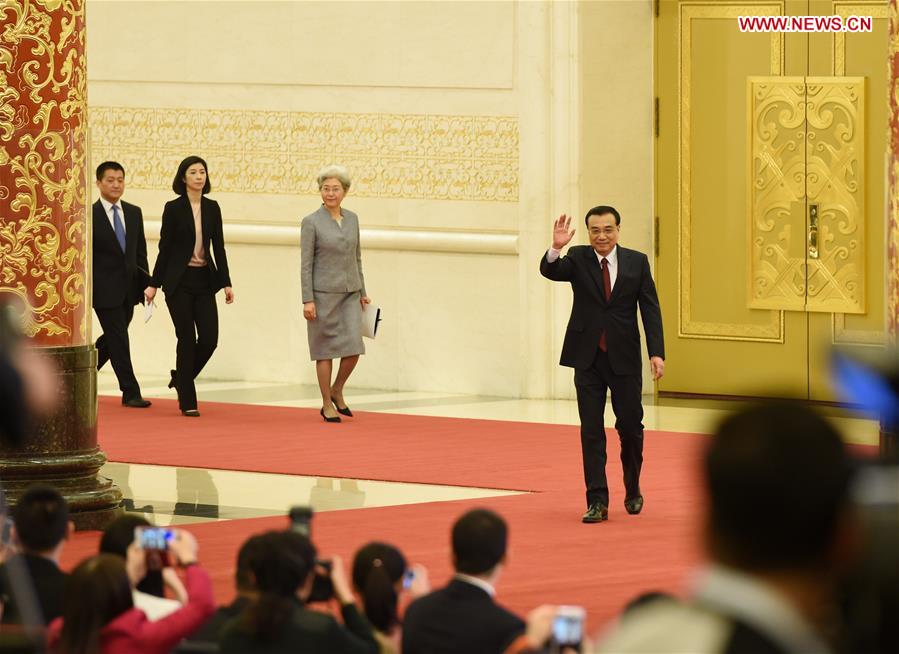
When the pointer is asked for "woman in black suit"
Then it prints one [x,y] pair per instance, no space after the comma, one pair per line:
[186,271]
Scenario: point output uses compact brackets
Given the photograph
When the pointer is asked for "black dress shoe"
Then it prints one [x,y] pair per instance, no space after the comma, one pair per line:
[634,505]
[345,411]
[327,419]
[190,413]
[596,513]
[172,380]
[136,403]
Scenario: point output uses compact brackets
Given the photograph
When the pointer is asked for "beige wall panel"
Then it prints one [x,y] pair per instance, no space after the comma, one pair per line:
[306,43]
[617,116]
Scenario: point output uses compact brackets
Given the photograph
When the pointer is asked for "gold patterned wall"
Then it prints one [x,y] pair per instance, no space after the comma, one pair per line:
[414,156]
[43,232]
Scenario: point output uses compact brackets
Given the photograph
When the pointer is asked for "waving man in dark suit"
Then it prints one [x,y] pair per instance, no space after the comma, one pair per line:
[602,344]
[120,275]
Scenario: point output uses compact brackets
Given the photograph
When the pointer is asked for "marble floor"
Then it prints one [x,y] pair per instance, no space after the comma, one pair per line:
[171,495]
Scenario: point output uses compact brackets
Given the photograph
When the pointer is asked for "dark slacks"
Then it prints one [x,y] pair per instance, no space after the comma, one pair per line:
[114,346]
[591,385]
[195,316]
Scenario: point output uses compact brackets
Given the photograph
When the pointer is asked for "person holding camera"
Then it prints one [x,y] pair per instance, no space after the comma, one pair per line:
[149,579]
[278,621]
[380,575]
[99,615]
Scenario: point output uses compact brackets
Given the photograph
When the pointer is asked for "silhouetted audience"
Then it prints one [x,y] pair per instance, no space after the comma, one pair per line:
[149,583]
[99,615]
[380,575]
[780,532]
[463,616]
[41,529]
[249,558]
[278,621]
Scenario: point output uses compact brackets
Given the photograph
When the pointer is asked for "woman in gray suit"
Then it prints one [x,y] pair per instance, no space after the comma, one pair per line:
[333,289]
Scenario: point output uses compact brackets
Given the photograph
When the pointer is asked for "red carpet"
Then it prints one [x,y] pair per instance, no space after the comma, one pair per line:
[552,558]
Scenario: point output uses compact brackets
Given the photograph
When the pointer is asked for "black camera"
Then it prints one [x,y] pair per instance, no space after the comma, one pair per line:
[322,586]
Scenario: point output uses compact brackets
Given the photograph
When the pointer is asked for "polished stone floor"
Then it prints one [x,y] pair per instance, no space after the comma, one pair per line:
[175,495]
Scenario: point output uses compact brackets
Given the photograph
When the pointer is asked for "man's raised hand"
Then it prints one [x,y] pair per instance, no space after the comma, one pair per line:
[561,235]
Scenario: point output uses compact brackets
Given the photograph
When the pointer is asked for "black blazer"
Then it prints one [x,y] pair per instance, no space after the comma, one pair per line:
[590,313]
[49,587]
[176,244]
[459,618]
[119,276]
[307,631]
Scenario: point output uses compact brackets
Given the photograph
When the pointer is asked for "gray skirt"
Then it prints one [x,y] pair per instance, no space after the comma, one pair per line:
[336,331]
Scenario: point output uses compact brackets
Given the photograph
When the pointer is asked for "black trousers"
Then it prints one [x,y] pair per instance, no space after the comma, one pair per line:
[591,385]
[114,346]
[195,316]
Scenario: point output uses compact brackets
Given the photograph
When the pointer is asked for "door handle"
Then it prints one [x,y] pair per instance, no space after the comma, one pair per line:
[813,231]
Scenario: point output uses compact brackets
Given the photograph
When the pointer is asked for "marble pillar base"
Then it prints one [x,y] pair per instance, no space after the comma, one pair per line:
[62,450]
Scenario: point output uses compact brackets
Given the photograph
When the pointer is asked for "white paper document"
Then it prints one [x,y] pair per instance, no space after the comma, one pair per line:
[371,316]
[148,311]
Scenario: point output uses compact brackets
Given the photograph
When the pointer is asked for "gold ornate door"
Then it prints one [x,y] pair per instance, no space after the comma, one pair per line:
[764,210]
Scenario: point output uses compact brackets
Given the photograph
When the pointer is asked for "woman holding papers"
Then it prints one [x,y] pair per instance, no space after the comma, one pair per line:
[186,271]
[333,289]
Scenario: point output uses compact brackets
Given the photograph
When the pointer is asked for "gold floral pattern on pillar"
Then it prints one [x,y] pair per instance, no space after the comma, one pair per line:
[807,194]
[42,166]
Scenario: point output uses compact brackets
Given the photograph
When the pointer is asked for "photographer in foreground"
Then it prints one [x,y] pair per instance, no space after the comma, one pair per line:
[278,621]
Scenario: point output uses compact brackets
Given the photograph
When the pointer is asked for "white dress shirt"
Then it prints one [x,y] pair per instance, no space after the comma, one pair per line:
[612,257]
[107,206]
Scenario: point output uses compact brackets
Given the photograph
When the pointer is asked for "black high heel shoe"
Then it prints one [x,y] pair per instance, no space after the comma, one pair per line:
[327,419]
[345,411]
[190,413]
[172,380]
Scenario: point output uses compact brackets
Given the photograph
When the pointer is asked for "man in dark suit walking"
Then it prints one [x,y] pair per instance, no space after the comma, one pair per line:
[120,275]
[463,616]
[602,344]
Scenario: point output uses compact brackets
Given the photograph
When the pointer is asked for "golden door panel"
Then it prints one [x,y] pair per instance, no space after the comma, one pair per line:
[807,194]
[720,346]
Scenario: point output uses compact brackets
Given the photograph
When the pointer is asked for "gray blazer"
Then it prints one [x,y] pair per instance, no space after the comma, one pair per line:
[331,257]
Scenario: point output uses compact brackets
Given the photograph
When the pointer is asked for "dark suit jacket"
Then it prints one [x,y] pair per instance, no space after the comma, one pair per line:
[590,313]
[119,276]
[459,618]
[49,584]
[176,244]
[309,632]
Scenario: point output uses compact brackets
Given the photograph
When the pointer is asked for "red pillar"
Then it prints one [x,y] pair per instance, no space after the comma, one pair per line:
[44,241]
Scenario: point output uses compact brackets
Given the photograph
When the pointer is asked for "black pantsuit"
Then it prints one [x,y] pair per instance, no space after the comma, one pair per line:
[195,316]
[190,291]
[619,368]
[119,279]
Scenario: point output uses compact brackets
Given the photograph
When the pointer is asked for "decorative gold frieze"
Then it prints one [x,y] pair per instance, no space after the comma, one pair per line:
[279,152]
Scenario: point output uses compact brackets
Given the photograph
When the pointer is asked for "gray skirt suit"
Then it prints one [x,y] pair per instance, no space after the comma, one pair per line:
[331,276]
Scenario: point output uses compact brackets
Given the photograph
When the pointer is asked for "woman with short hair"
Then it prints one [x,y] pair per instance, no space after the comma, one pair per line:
[333,289]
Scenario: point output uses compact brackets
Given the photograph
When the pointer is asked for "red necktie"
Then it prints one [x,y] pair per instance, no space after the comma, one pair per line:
[607,291]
